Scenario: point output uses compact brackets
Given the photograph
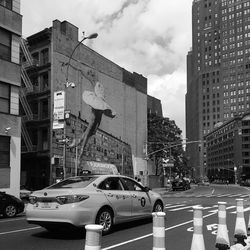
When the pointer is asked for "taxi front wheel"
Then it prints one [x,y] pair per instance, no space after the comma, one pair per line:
[158,207]
[105,218]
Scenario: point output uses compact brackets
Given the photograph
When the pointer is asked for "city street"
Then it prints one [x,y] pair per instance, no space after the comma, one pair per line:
[17,234]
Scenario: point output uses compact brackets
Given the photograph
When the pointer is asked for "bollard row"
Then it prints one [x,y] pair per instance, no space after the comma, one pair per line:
[241,234]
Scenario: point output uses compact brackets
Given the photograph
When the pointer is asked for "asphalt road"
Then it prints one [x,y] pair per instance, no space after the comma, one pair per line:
[17,234]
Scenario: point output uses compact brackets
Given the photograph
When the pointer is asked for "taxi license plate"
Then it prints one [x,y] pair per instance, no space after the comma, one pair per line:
[46,205]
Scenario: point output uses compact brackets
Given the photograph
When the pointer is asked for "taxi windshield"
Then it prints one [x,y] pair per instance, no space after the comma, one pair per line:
[74,182]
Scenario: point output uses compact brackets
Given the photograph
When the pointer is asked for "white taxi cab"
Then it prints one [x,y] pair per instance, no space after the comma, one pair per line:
[88,199]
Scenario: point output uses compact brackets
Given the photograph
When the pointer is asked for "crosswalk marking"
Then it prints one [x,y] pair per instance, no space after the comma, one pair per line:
[173,206]
[245,209]
[180,208]
[209,209]
[229,195]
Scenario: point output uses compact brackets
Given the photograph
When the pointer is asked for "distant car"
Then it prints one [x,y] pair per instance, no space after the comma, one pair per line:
[24,194]
[92,199]
[10,205]
[180,184]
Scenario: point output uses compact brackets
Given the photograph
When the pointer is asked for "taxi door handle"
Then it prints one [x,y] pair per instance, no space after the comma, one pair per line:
[134,196]
[110,195]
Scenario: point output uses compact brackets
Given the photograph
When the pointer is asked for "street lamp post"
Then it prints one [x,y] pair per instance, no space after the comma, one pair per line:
[234,170]
[68,84]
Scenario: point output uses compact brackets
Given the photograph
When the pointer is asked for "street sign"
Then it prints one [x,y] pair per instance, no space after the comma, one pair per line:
[58,112]
[168,165]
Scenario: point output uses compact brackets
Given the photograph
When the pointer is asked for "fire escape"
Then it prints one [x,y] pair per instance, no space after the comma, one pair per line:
[26,87]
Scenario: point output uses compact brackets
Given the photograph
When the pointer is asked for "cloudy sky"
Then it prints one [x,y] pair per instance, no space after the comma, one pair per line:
[150,37]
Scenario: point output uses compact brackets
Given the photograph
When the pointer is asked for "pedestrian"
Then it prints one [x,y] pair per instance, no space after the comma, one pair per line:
[227,182]
[139,181]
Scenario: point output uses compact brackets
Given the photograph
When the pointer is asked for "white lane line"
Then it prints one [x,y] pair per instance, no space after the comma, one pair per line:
[149,235]
[245,195]
[216,210]
[20,230]
[222,195]
[179,208]
[10,220]
[234,195]
[174,206]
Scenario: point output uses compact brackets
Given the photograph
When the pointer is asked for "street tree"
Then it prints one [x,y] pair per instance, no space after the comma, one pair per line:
[165,143]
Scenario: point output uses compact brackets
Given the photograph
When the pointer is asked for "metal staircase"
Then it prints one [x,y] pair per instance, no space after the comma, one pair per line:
[23,91]
[26,52]
[26,137]
[26,80]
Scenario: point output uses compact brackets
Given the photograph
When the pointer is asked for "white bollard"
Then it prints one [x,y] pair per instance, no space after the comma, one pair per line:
[159,231]
[198,240]
[240,232]
[222,239]
[93,237]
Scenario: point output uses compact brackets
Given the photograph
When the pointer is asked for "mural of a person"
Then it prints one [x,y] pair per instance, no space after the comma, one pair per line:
[96,100]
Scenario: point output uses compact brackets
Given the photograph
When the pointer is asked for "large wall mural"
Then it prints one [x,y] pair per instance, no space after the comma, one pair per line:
[85,141]
[96,101]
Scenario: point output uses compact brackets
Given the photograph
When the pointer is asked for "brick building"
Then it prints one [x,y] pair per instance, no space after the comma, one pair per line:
[228,147]
[119,140]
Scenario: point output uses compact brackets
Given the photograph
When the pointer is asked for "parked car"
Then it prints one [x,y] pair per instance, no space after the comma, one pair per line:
[180,184]
[88,199]
[10,205]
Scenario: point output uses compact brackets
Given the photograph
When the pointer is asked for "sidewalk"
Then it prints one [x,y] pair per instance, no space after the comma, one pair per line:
[162,190]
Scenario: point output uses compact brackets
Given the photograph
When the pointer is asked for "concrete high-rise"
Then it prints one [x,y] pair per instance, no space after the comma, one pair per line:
[218,71]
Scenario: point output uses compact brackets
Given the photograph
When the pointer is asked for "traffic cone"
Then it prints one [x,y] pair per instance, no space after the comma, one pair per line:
[248,226]
[93,237]
[159,231]
[198,240]
[222,239]
[240,232]
[238,247]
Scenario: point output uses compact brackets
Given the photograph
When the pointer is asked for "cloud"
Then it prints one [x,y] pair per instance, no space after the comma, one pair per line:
[151,37]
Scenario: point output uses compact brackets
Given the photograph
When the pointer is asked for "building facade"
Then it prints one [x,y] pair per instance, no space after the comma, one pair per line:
[218,75]
[154,106]
[119,140]
[10,81]
[228,151]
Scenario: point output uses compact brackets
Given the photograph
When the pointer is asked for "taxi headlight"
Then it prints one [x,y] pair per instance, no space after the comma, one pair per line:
[65,199]
[33,199]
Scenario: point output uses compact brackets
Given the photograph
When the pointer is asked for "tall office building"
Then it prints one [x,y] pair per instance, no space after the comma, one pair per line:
[10,81]
[218,77]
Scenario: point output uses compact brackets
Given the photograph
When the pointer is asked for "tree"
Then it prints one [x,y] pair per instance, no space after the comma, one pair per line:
[164,143]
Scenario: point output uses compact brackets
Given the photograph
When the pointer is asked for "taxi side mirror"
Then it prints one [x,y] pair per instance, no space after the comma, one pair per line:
[146,189]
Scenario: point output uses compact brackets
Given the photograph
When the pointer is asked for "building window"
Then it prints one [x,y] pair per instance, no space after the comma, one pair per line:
[6,3]
[45,56]
[4,97]
[4,152]
[5,44]
[44,81]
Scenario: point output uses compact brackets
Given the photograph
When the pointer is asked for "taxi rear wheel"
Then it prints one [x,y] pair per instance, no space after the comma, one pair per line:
[105,218]
[158,207]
